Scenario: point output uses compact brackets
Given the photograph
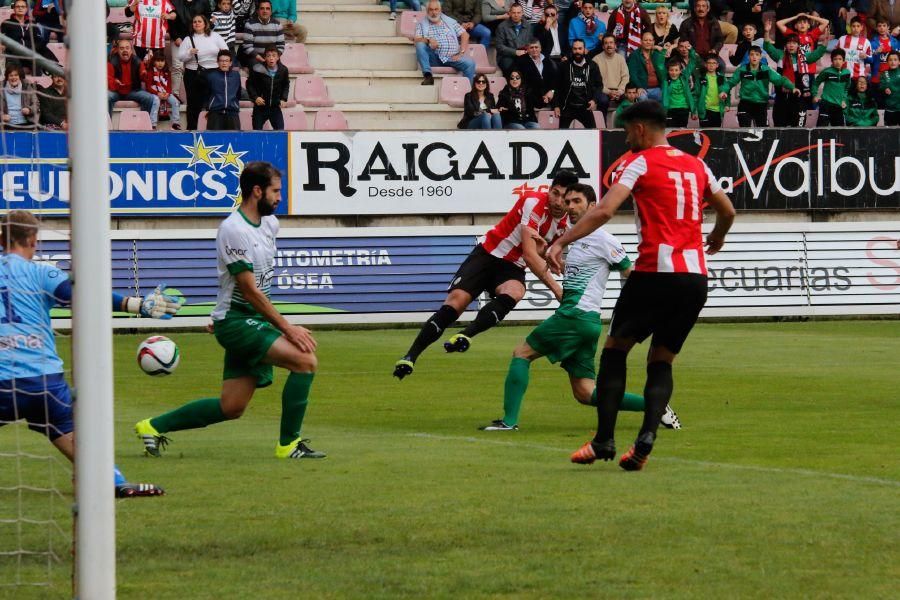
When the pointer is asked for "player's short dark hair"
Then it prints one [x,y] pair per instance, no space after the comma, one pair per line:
[649,112]
[257,173]
[565,178]
[17,227]
[755,49]
[631,86]
[585,190]
[838,52]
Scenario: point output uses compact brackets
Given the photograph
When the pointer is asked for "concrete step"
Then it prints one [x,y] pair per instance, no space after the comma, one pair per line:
[329,20]
[377,53]
[354,86]
[400,116]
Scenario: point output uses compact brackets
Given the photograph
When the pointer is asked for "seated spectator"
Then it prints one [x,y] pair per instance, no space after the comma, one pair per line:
[123,81]
[514,105]
[857,48]
[588,28]
[513,37]
[267,87]
[413,4]
[468,14]
[199,53]
[540,75]
[709,104]
[50,16]
[479,108]
[534,9]
[18,102]
[224,106]
[702,30]
[180,28]
[579,84]
[835,81]
[553,37]
[441,42]
[613,71]
[890,87]
[158,80]
[53,101]
[642,69]
[665,34]
[861,108]
[494,12]
[259,33]
[21,29]
[754,80]
[223,22]
[285,12]
[626,23]
[630,97]
[151,24]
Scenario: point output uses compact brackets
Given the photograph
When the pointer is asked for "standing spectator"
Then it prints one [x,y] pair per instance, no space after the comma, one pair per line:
[889,10]
[747,11]
[642,69]
[223,22]
[468,14]
[224,106]
[285,12]
[857,48]
[749,38]
[627,23]
[267,87]
[790,110]
[413,4]
[665,34]
[18,102]
[579,85]
[480,108]
[123,80]
[807,36]
[260,32]
[890,87]
[835,82]
[754,80]
[50,16]
[243,12]
[441,42]
[514,104]
[180,28]
[151,24]
[540,73]
[199,52]
[788,9]
[688,58]
[702,30]
[554,39]
[588,28]
[861,108]
[710,105]
[158,80]
[513,37]
[613,71]
[494,12]
[21,29]
[534,10]
[883,43]
[53,100]
[678,100]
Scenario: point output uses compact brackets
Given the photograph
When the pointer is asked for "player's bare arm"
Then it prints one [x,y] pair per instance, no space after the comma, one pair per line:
[298,336]
[725,214]
[536,264]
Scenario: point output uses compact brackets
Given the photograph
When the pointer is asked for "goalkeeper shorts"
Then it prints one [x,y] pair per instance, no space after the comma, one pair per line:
[44,402]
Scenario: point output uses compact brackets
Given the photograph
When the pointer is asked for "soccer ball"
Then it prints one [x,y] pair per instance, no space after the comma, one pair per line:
[158,355]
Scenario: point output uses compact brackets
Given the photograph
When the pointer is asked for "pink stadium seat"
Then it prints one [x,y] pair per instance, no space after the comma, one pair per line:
[729,121]
[310,90]
[496,83]
[126,104]
[245,103]
[547,119]
[295,120]
[812,117]
[330,120]
[246,117]
[880,118]
[117,15]
[477,53]
[134,120]
[296,59]
[42,81]
[406,25]
[59,50]
[453,90]
[599,121]
[5,13]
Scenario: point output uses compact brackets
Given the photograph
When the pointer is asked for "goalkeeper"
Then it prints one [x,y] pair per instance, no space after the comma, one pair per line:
[32,384]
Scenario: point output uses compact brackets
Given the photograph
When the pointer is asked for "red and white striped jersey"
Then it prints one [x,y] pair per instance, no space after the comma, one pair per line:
[505,239]
[668,187]
[857,50]
[149,26]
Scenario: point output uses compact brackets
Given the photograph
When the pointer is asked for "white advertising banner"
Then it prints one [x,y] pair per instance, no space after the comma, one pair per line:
[431,172]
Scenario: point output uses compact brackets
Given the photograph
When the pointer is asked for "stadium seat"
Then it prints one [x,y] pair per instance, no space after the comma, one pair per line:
[59,50]
[42,81]
[126,104]
[477,53]
[496,83]
[295,120]
[406,25]
[330,120]
[296,59]
[5,13]
[246,118]
[310,90]
[134,120]
[729,121]
[725,54]
[812,117]
[117,15]
[453,90]
[599,121]
[245,103]
[547,119]
[881,118]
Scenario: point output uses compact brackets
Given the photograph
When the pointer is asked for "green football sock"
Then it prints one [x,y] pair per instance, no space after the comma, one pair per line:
[514,389]
[631,402]
[294,398]
[192,415]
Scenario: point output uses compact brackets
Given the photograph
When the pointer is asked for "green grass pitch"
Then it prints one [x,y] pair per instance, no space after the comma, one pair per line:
[784,482]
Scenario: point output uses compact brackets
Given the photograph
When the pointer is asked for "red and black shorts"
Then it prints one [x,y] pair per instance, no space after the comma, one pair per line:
[484,272]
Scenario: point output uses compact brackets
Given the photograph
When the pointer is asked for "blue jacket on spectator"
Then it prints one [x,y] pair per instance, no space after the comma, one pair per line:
[578,31]
[224,91]
[875,61]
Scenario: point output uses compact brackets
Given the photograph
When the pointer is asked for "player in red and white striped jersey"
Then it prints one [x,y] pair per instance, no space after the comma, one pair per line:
[497,266]
[150,23]
[665,293]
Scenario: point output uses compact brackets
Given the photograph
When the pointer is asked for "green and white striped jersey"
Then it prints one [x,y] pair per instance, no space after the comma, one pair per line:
[588,265]
[243,246]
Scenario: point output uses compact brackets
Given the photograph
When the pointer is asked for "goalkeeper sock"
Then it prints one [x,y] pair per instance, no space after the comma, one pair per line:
[294,399]
[491,314]
[432,330]
[192,415]
[630,403]
[514,389]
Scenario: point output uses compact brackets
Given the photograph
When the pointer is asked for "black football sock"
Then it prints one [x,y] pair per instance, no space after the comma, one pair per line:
[491,313]
[432,330]
[610,390]
[657,392]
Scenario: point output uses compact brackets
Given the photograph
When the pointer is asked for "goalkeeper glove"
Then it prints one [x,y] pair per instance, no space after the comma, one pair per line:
[155,305]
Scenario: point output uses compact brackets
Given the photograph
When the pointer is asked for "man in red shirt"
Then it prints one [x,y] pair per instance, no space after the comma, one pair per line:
[665,293]
[497,266]
[123,81]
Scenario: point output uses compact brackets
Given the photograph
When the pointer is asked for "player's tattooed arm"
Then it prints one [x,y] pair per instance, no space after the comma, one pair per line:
[535,263]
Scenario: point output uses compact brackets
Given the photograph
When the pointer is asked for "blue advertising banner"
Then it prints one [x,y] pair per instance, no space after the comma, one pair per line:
[150,173]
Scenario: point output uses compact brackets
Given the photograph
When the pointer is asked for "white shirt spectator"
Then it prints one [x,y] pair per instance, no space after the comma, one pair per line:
[207,46]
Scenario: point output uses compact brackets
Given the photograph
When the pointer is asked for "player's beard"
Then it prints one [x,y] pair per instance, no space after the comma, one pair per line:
[266,209]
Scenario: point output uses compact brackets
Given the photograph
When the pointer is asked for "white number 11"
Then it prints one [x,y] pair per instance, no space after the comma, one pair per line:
[691,178]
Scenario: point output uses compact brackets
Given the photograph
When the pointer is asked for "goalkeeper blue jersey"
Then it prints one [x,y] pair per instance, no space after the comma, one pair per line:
[27,293]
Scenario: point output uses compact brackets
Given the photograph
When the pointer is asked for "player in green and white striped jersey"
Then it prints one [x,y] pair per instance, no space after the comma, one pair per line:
[570,335]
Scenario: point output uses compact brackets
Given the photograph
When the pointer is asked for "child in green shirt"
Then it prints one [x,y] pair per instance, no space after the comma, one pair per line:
[861,109]
[676,95]
[631,96]
[890,87]
[707,85]
[755,79]
[835,82]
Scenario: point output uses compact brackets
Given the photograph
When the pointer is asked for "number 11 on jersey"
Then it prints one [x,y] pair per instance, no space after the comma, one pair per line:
[679,178]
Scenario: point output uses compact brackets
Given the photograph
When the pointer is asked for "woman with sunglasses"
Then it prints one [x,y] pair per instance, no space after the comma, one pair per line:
[514,105]
[480,108]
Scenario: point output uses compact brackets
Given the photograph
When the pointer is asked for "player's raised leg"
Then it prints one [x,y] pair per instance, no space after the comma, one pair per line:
[506,296]
[432,330]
